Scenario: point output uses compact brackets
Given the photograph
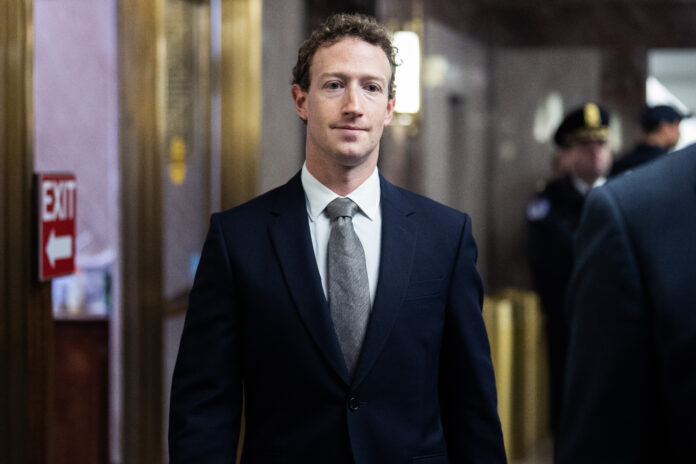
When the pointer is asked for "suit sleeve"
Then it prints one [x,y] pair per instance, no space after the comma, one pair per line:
[608,379]
[468,402]
[206,396]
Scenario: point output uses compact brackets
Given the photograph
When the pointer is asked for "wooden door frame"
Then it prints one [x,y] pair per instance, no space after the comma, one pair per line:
[26,330]
[142,123]
[141,91]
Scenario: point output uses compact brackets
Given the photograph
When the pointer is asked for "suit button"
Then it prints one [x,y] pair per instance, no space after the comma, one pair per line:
[353,403]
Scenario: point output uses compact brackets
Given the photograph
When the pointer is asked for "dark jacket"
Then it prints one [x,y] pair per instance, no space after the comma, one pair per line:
[258,322]
[631,383]
[641,154]
[552,218]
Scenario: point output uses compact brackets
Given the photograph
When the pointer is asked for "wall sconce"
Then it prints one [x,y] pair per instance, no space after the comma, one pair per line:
[407,76]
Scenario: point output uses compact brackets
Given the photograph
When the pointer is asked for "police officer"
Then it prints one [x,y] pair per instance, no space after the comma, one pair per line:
[660,125]
[553,216]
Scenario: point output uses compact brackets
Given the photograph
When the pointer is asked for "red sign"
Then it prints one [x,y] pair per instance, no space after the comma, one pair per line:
[57,207]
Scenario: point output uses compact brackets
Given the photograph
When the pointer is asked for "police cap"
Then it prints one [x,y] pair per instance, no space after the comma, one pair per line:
[588,122]
[652,116]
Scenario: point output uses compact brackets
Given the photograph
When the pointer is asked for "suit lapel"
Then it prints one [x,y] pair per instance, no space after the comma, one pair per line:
[291,239]
[398,245]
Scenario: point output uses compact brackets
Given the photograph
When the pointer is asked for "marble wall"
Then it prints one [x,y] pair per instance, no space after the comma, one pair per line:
[282,131]
[75,107]
[532,88]
[455,125]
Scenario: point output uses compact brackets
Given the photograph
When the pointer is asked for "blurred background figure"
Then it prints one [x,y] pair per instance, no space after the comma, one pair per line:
[660,126]
[561,161]
[553,216]
[631,389]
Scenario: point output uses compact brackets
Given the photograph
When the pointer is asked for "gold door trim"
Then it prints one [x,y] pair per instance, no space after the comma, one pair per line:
[241,30]
[141,121]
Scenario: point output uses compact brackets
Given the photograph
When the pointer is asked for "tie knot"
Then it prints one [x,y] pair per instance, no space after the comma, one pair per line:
[341,207]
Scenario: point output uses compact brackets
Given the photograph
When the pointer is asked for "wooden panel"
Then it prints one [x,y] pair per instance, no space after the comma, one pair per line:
[81,386]
[25,305]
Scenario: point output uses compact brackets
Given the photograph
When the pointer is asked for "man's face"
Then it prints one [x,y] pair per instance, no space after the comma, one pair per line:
[591,160]
[562,162]
[672,132]
[347,104]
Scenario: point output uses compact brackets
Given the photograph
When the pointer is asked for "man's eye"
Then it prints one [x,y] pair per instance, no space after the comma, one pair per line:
[333,85]
[373,88]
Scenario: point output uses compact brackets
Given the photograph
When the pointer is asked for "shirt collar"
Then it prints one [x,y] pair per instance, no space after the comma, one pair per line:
[584,188]
[366,196]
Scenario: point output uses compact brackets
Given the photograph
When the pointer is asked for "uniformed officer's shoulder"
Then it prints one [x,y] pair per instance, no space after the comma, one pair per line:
[540,205]
[558,187]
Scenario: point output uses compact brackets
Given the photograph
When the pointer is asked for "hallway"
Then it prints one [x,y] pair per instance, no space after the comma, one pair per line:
[168,111]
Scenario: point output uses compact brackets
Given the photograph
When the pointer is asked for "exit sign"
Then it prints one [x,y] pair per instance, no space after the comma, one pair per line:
[57,211]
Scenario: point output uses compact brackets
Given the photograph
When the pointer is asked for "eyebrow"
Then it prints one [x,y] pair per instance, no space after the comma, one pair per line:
[346,76]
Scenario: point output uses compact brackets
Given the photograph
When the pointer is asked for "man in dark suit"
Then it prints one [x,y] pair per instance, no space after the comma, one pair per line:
[393,369]
[630,392]
[553,216]
[660,125]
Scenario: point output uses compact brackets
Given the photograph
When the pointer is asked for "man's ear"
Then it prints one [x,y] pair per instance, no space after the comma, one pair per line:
[391,103]
[299,96]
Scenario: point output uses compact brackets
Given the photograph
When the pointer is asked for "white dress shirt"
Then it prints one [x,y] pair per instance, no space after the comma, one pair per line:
[585,188]
[367,223]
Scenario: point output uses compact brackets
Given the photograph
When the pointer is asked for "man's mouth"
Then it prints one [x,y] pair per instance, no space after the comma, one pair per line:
[349,127]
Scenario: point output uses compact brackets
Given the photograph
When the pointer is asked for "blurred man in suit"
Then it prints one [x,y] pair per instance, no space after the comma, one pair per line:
[347,309]
[552,218]
[660,125]
[630,394]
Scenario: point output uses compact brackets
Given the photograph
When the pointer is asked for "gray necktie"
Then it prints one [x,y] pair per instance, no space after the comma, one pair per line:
[349,292]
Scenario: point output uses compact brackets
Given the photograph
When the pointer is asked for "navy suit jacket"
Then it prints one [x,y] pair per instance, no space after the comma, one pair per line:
[630,392]
[259,327]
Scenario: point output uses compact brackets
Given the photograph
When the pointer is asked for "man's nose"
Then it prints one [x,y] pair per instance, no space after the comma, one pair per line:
[351,100]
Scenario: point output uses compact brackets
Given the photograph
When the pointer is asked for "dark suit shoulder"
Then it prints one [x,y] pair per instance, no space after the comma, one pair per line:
[416,202]
[657,183]
[655,205]
[424,208]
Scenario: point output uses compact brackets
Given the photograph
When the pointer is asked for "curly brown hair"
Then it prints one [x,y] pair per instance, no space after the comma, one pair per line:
[335,28]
